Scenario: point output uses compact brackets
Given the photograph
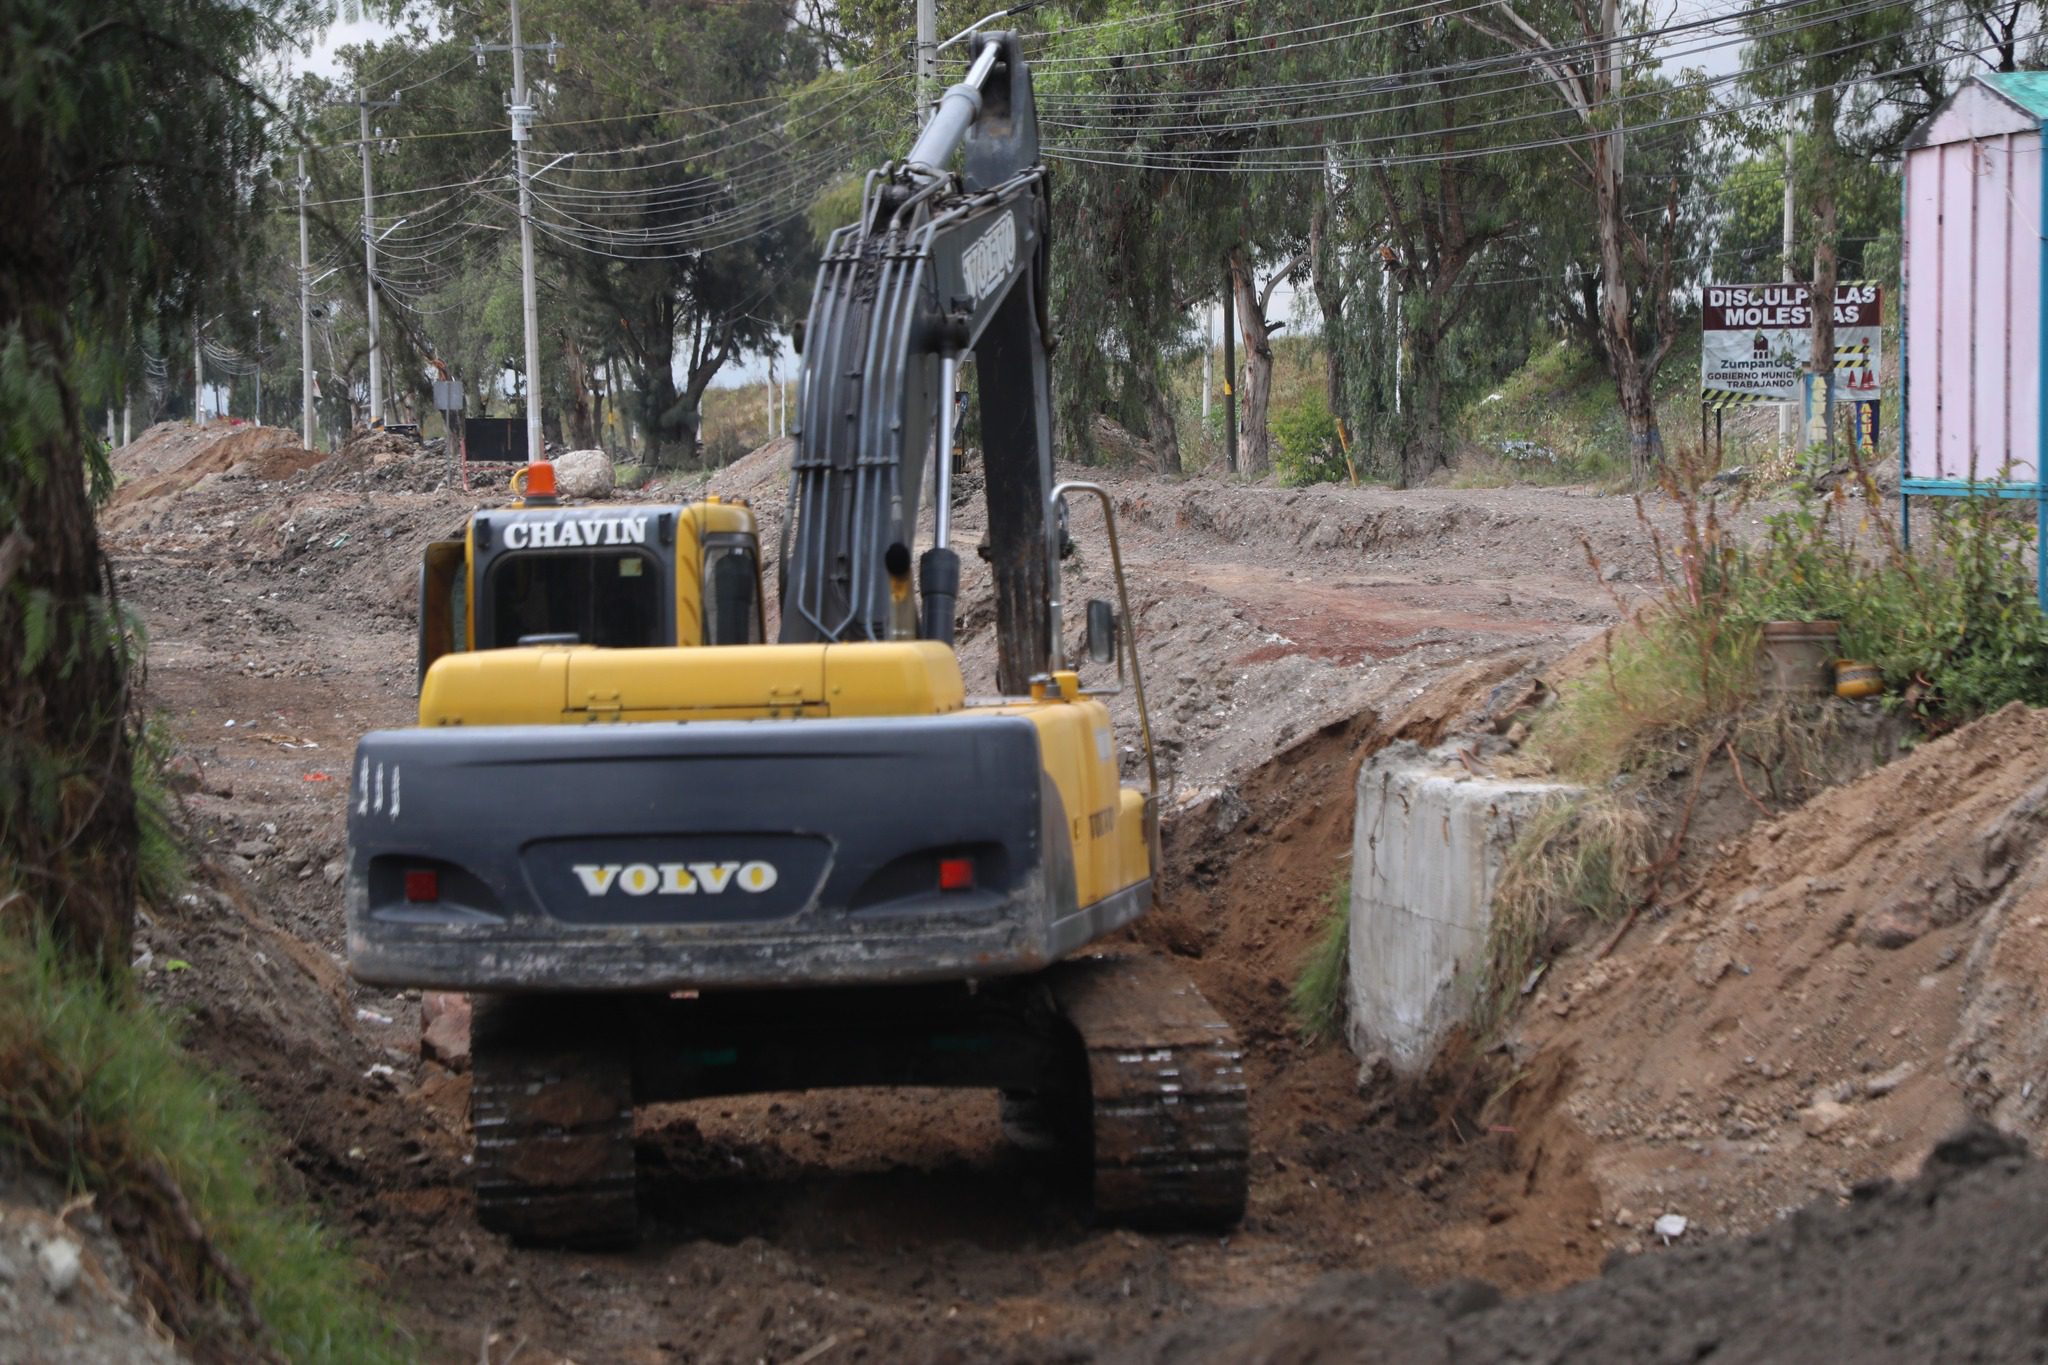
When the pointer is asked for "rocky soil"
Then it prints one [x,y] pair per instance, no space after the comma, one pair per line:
[1946,1266]
[66,1296]
[1284,635]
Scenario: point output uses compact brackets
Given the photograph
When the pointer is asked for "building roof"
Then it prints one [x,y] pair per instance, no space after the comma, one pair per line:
[2027,89]
[1992,104]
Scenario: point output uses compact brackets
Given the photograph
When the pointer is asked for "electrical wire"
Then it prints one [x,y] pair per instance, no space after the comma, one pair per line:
[1229,161]
[1431,79]
[1435,78]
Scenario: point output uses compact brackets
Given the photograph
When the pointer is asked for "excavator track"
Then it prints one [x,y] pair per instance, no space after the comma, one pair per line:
[551,1104]
[1171,1133]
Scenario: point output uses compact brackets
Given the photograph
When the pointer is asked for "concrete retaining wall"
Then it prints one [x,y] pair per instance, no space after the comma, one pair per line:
[1426,850]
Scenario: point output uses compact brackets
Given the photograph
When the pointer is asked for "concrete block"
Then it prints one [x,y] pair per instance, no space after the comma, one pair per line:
[1426,851]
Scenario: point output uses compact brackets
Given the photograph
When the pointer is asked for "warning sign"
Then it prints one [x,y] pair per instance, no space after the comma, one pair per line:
[1756,340]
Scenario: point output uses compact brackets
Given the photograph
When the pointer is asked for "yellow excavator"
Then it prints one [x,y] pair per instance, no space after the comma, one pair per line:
[671,861]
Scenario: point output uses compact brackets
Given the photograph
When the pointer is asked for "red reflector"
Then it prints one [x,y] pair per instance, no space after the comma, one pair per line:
[423,886]
[956,874]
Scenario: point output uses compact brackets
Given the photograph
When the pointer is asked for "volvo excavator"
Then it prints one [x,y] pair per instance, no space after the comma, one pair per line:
[671,861]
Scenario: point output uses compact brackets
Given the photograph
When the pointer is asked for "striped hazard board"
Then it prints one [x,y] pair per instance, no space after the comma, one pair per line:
[1855,357]
[1718,399]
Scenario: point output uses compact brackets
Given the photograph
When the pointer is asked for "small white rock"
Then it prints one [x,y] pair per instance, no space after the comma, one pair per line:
[1670,1225]
[59,1261]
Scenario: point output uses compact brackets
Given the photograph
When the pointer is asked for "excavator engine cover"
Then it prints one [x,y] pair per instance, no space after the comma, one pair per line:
[712,854]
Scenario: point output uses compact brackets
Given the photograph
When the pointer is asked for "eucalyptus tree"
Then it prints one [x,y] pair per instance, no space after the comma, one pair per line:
[131,140]
[1173,182]
[1601,67]
[1438,209]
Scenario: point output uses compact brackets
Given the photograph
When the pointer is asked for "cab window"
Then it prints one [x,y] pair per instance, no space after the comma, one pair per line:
[611,598]
[732,611]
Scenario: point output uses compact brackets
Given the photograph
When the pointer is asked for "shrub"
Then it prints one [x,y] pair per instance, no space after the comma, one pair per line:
[1309,447]
[1952,622]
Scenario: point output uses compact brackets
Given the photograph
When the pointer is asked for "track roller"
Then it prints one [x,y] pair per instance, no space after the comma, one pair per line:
[1170,1131]
[551,1105]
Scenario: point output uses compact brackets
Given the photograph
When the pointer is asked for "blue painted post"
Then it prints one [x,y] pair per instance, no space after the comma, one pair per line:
[2041,548]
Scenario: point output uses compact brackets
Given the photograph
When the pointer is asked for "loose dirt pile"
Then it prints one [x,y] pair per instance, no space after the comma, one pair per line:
[171,457]
[1852,980]
[1946,1267]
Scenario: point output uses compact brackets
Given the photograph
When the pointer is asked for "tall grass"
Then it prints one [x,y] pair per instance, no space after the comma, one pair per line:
[1317,1000]
[1572,858]
[95,1089]
[1951,622]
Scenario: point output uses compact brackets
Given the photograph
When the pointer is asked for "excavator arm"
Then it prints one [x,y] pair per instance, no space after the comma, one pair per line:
[941,263]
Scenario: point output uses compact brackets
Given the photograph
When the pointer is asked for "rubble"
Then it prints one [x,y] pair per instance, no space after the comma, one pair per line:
[584,474]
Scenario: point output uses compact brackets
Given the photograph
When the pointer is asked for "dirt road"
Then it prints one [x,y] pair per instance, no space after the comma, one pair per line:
[1284,634]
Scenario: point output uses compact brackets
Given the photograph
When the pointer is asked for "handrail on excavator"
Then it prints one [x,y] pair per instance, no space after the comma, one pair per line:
[1057,593]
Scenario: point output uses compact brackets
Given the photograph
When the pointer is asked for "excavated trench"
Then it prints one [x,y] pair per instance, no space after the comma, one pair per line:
[876,1225]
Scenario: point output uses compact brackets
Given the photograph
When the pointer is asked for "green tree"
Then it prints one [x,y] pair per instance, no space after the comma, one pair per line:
[1595,63]
[130,141]
[1440,210]
[1154,211]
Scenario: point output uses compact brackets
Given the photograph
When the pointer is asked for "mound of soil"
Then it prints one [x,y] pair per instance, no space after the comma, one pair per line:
[1946,1267]
[378,460]
[171,457]
[1852,979]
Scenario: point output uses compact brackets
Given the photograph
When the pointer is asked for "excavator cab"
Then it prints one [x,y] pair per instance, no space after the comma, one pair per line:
[539,573]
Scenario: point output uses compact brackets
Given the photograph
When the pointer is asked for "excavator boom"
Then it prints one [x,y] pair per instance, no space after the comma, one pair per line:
[939,265]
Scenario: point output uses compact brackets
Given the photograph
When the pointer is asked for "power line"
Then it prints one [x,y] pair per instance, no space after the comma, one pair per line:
[1429,78]
[1321,156]
[1425,78]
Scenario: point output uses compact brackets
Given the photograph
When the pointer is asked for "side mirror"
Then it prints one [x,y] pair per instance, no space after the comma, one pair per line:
[1101,645]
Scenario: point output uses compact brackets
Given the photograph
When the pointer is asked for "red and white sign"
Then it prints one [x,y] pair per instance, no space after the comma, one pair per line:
[1757,339]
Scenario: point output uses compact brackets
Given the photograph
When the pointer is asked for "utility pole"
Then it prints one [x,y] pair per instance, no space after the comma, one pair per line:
[522,134]
[1399,295]
[364,104]
[198,377]
[1208,357]
[1785,409]
[305,315]
[257,356]
[1230,368]
[927,58]
[127,418]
